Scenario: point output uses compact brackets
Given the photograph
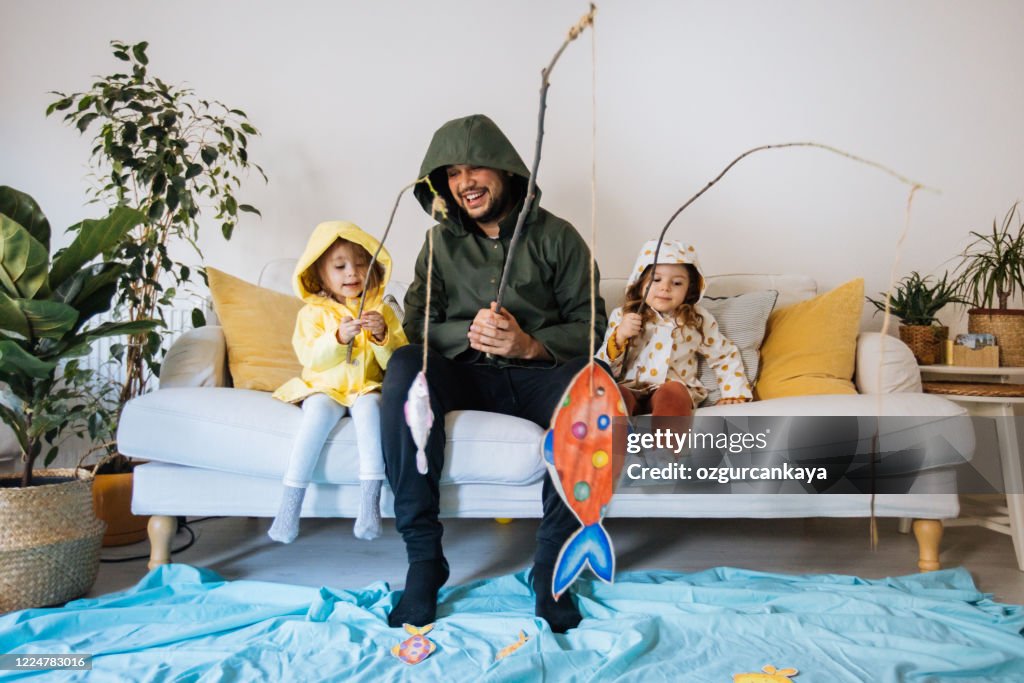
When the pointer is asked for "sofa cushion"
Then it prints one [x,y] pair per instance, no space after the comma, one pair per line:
[258,325]
[741,319]
[236,430]
[810,347]
[885,365]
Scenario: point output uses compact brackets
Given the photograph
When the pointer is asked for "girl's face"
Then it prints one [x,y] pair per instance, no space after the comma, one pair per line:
[342,270]
[671,282]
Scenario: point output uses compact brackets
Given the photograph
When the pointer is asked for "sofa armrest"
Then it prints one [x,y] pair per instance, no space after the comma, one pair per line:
[885,365]
[198,358]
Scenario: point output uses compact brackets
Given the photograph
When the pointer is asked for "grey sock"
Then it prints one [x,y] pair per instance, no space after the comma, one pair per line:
[286,525]
[368,525]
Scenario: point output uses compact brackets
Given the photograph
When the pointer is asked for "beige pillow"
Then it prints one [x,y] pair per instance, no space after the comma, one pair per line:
[810,347]
[258,325]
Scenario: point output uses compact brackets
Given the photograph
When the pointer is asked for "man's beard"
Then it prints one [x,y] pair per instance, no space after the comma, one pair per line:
[499,209]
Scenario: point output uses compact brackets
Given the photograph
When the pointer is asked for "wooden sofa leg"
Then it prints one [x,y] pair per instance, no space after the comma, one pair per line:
[161,530]
[929,534]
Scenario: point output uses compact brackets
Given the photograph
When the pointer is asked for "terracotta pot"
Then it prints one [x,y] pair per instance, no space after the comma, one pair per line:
[112,500]
[926,342]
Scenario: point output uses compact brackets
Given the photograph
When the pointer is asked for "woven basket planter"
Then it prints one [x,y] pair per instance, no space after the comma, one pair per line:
[49,539]
[926,342]
[1008,327]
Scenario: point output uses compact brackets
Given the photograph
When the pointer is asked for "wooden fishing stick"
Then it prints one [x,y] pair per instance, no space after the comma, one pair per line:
[574,32]
[380,245]
[827,148]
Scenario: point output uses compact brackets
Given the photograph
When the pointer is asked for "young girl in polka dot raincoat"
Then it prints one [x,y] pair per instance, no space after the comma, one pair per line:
[653,353]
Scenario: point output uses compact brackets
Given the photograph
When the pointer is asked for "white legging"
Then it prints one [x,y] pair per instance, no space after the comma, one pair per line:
[320,413]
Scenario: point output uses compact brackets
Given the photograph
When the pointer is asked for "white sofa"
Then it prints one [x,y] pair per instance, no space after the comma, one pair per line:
[215,450]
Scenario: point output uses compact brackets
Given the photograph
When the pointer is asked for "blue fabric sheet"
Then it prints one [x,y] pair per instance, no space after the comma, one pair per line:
[186,624]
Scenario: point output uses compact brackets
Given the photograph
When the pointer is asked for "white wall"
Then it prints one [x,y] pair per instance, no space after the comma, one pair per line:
[348,93]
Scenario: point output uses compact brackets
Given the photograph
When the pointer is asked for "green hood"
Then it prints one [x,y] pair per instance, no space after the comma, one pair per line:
[474,140]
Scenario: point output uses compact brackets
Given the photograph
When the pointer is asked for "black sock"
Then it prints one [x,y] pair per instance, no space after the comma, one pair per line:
[418,604]
[562,614]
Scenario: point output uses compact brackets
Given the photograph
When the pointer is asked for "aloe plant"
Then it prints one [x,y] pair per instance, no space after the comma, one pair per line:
[915,299]
[992,266]
[46,305]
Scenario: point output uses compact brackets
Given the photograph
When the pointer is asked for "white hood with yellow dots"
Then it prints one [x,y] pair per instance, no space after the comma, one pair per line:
[672,252]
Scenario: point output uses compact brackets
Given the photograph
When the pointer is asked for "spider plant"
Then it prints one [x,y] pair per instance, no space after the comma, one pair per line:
[991,267]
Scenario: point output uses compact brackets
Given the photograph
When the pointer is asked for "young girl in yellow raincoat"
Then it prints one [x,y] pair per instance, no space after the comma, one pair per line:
[330,277]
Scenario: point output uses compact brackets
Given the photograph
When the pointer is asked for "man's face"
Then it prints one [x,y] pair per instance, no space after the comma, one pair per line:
[479,191]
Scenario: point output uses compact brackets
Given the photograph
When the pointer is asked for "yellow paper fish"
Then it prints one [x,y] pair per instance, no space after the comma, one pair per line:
[770,675]
[506,651]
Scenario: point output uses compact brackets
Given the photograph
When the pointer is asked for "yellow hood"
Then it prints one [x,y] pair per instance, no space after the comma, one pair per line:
[322,238]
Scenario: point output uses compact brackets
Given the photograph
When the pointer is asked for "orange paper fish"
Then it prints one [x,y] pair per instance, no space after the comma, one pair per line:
[416,647]
[578,452]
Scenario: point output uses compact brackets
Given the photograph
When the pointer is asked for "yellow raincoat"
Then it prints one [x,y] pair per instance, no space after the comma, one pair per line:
[325,370]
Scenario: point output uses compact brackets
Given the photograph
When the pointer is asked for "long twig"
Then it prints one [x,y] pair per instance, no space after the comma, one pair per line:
[818,145]
[574,32]
[373,260]
[437,208]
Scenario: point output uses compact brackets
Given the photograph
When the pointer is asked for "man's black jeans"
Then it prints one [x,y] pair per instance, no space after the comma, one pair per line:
[529,393]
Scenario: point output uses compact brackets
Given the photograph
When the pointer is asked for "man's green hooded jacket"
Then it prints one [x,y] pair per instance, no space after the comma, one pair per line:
[548,287]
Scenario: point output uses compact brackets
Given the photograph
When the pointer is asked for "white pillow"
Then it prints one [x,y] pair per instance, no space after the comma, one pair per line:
[742,319]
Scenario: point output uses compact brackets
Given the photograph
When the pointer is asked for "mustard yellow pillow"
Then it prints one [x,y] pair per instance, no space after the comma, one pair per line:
[810,347]
[258,325]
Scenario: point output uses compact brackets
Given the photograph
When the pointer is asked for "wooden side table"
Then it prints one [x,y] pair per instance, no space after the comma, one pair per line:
[990,392]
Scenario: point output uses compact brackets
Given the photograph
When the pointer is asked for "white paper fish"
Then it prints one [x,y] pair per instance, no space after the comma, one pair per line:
[419,417]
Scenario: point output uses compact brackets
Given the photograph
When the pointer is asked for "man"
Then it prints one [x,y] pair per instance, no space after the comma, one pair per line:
[516,361]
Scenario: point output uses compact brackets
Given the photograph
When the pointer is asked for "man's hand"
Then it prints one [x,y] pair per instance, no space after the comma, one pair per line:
[499,334]
[348,329]
[734,399]
[374,322]
[628,328]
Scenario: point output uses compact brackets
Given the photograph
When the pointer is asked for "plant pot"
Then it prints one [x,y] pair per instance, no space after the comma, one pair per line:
[1007,325]
[49,539]
[112,501]
[926,342]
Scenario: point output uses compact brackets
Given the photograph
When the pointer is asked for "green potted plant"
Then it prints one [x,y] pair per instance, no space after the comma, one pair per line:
[176,157]
[915,301]
[49,536]
[990,273]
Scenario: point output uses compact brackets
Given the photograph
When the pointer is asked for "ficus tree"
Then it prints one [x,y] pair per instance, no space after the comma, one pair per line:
[177,158]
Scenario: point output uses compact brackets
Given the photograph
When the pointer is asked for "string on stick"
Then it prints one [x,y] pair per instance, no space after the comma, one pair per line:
[828,148]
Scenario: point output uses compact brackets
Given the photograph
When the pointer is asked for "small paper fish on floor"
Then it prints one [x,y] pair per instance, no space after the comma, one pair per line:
[578,452]
[420,418]
[416,647]
[509,649]
[770,675]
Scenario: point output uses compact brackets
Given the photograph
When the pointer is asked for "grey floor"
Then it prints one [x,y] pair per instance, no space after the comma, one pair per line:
[326,554]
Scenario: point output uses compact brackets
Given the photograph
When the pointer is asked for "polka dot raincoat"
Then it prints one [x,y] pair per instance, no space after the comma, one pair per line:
[665,351]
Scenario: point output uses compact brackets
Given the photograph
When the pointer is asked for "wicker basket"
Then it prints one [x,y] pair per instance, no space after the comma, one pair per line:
[1008,327]
[926,342]
[49,539]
